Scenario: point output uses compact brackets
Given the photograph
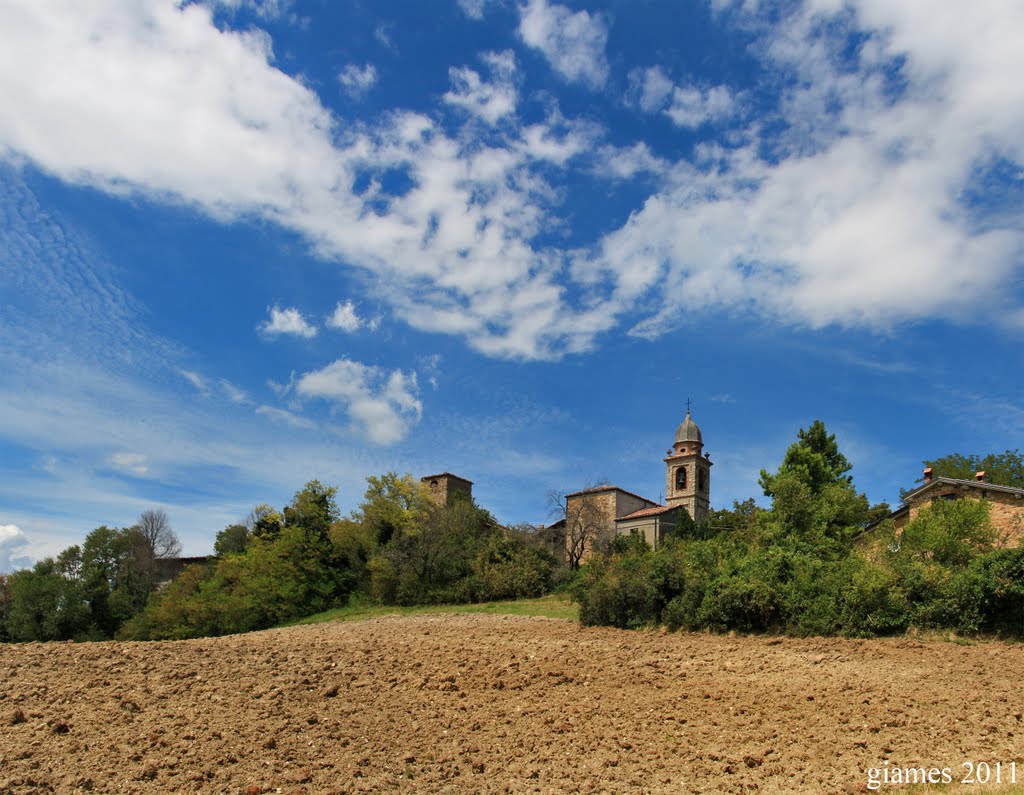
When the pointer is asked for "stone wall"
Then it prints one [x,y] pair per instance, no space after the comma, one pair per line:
[599,510]
[1007,511]
[444,487]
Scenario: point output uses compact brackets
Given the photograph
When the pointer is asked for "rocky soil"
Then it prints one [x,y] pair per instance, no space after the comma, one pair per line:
[474,703]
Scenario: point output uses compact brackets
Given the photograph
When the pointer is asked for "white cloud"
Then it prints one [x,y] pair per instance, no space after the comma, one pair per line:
[573,44]
[854,207]
[287,321]
[491,101]
[13,549]
[692,107]
[344,317]
[132,463]
[627,162]
[357,80]
[382,405]
[854,218]
[269,10]
[653,91]
[474,9]
[651,88]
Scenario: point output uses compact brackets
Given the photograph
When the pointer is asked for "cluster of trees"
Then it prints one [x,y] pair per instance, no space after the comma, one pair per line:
[87,592]
[399,548]
[805,565]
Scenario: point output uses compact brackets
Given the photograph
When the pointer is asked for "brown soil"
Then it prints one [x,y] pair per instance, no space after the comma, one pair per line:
[472,703]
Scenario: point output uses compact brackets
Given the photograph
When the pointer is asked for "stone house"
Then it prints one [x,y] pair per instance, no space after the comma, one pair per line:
[1007,502]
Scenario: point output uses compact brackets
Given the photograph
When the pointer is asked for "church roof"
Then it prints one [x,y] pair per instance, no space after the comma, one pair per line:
[688,431]
[653,511]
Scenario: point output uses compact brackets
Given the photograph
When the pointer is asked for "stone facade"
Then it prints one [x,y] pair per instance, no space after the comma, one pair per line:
[446,487]
[596,510]
[1006,503]
[654,524]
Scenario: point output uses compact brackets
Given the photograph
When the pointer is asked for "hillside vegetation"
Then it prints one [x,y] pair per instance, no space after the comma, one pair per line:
[806,567]
[803,566]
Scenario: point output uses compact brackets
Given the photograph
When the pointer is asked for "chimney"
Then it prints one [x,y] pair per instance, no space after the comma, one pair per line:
[927,474]
[980,476]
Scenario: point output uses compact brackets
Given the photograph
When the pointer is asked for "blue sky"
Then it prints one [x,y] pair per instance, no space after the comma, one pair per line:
[244,244]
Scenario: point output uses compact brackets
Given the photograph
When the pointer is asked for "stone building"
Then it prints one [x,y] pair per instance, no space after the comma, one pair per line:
[446,487]
[1007,502]
[593,517]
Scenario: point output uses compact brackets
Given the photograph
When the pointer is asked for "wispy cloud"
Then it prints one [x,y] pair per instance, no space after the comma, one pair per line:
[357,80]
[132,463]
[264,9]
[195,379]
[233,393]
[117,421]
[474,9]
[285,416]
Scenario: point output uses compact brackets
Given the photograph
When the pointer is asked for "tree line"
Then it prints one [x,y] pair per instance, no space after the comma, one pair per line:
[273,566]
[804,565]
[88,591]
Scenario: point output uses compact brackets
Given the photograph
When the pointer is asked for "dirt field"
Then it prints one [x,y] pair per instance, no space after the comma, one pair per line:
[469,703]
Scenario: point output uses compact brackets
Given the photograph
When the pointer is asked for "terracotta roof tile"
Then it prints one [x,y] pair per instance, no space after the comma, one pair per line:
[657,509]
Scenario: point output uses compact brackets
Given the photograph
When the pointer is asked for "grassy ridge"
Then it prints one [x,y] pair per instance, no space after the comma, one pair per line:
[550,606]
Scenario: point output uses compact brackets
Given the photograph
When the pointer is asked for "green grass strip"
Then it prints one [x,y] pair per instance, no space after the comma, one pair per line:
[550,606]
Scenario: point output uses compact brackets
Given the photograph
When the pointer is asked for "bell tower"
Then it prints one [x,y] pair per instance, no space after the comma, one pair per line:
[687,473]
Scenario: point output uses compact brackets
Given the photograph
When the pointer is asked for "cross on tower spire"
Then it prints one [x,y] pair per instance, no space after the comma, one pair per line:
[687,405]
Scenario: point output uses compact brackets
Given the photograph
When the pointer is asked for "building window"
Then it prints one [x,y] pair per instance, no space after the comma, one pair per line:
[702,481]
[681,479]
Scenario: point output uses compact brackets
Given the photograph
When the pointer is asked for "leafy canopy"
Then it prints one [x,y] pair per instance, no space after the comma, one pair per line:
[1003,469]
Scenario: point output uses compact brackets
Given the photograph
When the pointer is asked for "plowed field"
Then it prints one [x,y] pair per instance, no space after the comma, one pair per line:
[470,703]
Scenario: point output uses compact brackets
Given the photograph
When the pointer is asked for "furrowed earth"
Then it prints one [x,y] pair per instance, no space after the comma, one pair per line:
[479,703]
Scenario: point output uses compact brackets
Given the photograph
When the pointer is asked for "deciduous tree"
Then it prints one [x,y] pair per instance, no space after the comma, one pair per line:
[1004,469]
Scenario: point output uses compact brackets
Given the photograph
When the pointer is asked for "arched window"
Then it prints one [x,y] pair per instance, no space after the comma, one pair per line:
[702,480]
[680,478]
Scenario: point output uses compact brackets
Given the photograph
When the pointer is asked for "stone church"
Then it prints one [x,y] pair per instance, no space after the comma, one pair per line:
[597,515]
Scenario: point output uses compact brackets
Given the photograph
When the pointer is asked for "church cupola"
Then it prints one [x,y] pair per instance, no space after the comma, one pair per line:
[688,474]
[688,438]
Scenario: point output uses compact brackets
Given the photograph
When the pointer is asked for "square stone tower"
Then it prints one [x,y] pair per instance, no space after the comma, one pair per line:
[687,473]
[446,487]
